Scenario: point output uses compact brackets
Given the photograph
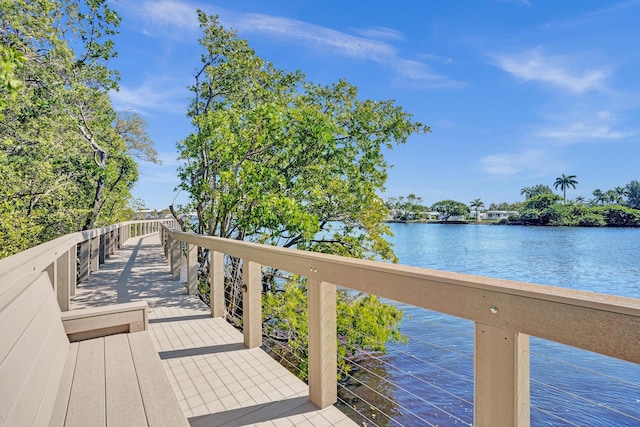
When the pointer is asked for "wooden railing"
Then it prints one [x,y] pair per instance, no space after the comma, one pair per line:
[71,259]
[505,313]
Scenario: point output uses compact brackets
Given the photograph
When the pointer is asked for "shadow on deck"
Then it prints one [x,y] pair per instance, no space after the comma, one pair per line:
[217,380]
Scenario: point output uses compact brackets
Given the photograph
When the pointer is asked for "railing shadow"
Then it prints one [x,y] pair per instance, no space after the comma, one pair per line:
[136,271]
[256,414]
[199,351]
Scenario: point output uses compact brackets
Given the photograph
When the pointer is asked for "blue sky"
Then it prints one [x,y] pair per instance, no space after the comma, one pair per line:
[517,92]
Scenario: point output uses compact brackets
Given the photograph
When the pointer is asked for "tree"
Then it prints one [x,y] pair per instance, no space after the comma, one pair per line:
[536,190]
[599,197]
[133,130]
[449,208]
[63,164]
[476,205]
[541,210]
[565,182]
[276,159]
[632,191]
[404,209]
[614,197]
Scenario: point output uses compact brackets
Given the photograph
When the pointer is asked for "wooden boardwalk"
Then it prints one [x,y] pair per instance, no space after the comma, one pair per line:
[217,380]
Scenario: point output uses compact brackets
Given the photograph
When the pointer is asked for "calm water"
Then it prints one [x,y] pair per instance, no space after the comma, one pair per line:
[568,386]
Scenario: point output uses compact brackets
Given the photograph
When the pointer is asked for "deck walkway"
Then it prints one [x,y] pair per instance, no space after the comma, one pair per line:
[217,380]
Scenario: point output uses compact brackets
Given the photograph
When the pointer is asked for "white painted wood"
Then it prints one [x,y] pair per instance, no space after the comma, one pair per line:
[501,378]
[49,368]
[175,261]
[605,324]
[100,321]
[192,269]
[321,301]
[123,399]
[63,280]
[216,284]
[30,362]
[17,315]
[161,405]
[59,413]
[252,304]
[87,406]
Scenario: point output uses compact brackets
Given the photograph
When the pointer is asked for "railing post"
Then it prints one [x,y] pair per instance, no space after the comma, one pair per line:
[252,304]
[174,258]
[501,393]
[103,248]
[63,280]
[94,249]
[192,269]
[216,284]
[85,260]
[323,384]
[112,242]
[73,270]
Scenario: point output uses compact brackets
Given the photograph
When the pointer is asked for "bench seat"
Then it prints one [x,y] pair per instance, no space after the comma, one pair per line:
[110,375]
[116,380]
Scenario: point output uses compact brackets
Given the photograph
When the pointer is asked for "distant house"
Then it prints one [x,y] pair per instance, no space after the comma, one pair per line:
[498,215]
[472,215]
[143,214]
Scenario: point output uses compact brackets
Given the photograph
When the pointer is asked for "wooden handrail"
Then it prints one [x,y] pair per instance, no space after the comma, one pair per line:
[505,313]
[58,258]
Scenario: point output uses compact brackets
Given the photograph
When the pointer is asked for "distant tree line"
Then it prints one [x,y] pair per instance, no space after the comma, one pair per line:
[618,207]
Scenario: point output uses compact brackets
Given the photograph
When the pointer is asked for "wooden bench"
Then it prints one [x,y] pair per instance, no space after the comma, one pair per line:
[80,368]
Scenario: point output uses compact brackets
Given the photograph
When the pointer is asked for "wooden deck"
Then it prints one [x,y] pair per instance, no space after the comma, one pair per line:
[217,380]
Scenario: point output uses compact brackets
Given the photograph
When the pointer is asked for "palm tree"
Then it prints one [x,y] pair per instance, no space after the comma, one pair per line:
[564,182]
[477,204]
[526,192]
[598,196]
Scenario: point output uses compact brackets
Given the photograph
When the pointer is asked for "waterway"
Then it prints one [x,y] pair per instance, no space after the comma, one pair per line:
[429,380]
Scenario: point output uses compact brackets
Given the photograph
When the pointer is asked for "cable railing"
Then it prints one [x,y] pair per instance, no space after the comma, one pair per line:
[490,356]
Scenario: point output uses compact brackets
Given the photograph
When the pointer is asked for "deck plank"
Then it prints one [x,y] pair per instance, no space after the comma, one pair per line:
[160,403]
[87,399]
[124,402]
[59,413]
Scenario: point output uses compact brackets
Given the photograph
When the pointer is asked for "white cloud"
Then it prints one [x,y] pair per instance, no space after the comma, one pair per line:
[518,2]
[381,33]
[173,18]
[442,59]
[445,123]
[588,127]
[313,35]
[533,65]
[417,74]
[533,162]
[580,131]
[154,94]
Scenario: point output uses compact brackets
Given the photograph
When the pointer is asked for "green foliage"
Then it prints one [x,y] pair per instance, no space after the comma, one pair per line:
[619,216]
[449,208]
[64,166]
[10,59]
[404,209]
[544,210]
[277,159]
[632,191]
[536,190]
[541,202]
[364,324]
